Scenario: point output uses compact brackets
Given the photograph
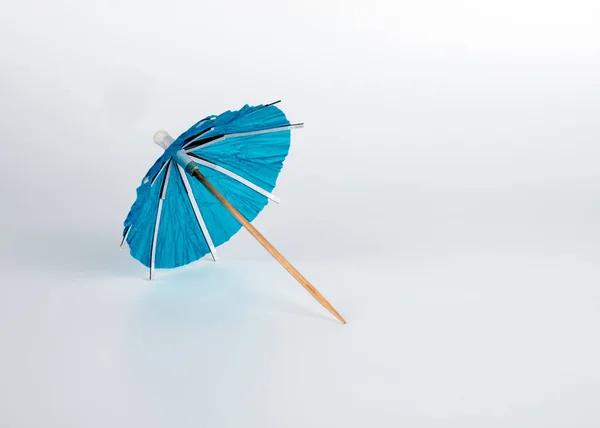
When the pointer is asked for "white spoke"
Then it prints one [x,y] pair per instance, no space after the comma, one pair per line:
[125,236]
[236,177]
[204,120]
[163,192]
[203,228]
[197,137]
[246,134]
[159,172]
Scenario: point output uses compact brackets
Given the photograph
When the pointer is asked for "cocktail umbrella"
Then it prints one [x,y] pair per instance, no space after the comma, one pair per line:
[234,160]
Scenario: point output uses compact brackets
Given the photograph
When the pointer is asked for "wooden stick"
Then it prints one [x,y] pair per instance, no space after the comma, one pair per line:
[263,241]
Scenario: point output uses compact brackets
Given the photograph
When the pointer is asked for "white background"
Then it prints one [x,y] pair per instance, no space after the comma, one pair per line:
[444,196]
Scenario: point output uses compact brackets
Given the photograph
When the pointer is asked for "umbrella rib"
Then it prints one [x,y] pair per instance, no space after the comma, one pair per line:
[158,173]
[163,192]
[125,236]
[236,177]
[212,140]
[200,122]
[197,213]
[190,140]
[264,106]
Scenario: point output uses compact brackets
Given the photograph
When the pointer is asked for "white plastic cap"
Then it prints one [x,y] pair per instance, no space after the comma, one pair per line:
[163,139]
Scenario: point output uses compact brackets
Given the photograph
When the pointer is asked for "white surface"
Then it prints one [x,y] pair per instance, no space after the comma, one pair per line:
[444,196]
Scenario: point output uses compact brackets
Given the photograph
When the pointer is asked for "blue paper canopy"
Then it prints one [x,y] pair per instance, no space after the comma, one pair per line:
[176,220]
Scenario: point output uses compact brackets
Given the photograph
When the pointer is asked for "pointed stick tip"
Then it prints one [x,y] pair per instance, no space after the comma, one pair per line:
[339,317]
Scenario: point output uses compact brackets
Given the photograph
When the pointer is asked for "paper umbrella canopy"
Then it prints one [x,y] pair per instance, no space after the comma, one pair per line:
[210,181]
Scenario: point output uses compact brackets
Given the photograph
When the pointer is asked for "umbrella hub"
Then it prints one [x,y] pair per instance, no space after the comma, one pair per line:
[164,140]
